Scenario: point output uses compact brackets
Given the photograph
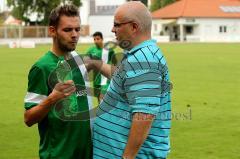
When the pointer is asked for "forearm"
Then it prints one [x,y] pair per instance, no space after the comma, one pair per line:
[105,69]
[141,124]
[38,112]
[99,66]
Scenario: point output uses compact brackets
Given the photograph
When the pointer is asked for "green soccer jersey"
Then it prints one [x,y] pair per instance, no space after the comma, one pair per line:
[61,136]
[97,53]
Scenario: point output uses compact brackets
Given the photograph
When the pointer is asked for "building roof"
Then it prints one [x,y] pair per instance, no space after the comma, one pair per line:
[12,21]
[199,8]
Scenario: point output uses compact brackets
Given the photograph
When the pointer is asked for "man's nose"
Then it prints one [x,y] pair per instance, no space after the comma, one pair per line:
[75,33]
[113,29]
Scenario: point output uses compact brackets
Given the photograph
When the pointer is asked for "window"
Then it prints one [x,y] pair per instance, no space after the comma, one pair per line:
[222,29]
[166,28]
[189,29]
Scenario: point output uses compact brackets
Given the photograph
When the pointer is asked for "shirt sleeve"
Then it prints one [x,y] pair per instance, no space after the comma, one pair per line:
[37,89]
[144,90]
[89,51]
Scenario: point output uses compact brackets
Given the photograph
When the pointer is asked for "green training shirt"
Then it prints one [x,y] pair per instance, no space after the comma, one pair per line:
[62,134]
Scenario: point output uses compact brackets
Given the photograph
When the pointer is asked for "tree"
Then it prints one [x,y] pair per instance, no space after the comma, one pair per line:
[145,2]
[160,4]
[156,4]
[22,9]
[167,2]
[1,19]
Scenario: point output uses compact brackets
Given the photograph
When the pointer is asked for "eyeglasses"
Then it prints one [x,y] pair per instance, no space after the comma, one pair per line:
[118,25]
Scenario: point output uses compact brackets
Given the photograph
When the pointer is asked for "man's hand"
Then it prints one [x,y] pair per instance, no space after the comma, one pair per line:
[38,112]
[62,90]
[98,65]
[89,63]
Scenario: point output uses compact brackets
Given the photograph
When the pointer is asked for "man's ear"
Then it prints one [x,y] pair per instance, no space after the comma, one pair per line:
[52,31]
[135,27]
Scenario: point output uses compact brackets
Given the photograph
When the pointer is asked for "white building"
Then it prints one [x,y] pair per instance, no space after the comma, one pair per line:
[99,15]
[84,11]
[3,6]
[198,20]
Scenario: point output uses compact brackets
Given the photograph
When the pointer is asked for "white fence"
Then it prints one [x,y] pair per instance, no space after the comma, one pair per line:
[18,32]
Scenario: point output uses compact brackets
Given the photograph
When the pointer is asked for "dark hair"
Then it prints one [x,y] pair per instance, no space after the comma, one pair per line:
[67,10]
[98,33]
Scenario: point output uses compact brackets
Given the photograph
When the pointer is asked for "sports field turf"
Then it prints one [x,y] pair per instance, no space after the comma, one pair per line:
[206,101]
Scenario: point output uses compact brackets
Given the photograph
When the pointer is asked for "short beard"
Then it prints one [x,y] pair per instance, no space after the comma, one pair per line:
[63,47]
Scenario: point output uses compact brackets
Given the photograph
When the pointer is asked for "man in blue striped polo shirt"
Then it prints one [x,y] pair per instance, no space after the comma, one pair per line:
[134,118]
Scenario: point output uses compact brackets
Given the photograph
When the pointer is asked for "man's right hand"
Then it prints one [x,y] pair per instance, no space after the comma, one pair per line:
[98,65]
[89,63]
[38,112]
[62,90]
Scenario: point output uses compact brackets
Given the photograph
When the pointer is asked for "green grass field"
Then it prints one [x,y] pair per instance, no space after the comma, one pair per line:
[206,102]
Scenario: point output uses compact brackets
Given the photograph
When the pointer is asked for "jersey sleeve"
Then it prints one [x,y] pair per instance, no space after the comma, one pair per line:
[37,89]
[144,91]
[88,51]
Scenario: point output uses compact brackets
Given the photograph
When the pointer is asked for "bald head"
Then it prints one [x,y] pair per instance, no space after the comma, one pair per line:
[137,12]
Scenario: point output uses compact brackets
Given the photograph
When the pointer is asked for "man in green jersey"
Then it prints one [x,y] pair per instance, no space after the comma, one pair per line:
[99,52]
[50,100]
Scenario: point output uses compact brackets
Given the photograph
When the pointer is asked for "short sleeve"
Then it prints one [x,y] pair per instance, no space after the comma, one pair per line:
[89,51]
[37,87]
[143,91]
[94,53]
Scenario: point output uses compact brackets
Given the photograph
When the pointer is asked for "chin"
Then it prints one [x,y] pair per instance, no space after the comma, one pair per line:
[72,48]
[69,49]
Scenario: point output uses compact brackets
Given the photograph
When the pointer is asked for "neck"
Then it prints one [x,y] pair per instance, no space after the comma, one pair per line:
[100,46]
[139,40]
[58,52]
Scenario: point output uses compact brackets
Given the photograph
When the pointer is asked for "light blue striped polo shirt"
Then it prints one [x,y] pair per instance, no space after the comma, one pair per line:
[140,84]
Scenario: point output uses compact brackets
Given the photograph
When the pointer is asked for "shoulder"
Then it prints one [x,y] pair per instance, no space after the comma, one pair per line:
[44,64]
[91,49]
[145,59]
[149,53]
[44,60]
[35,70]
